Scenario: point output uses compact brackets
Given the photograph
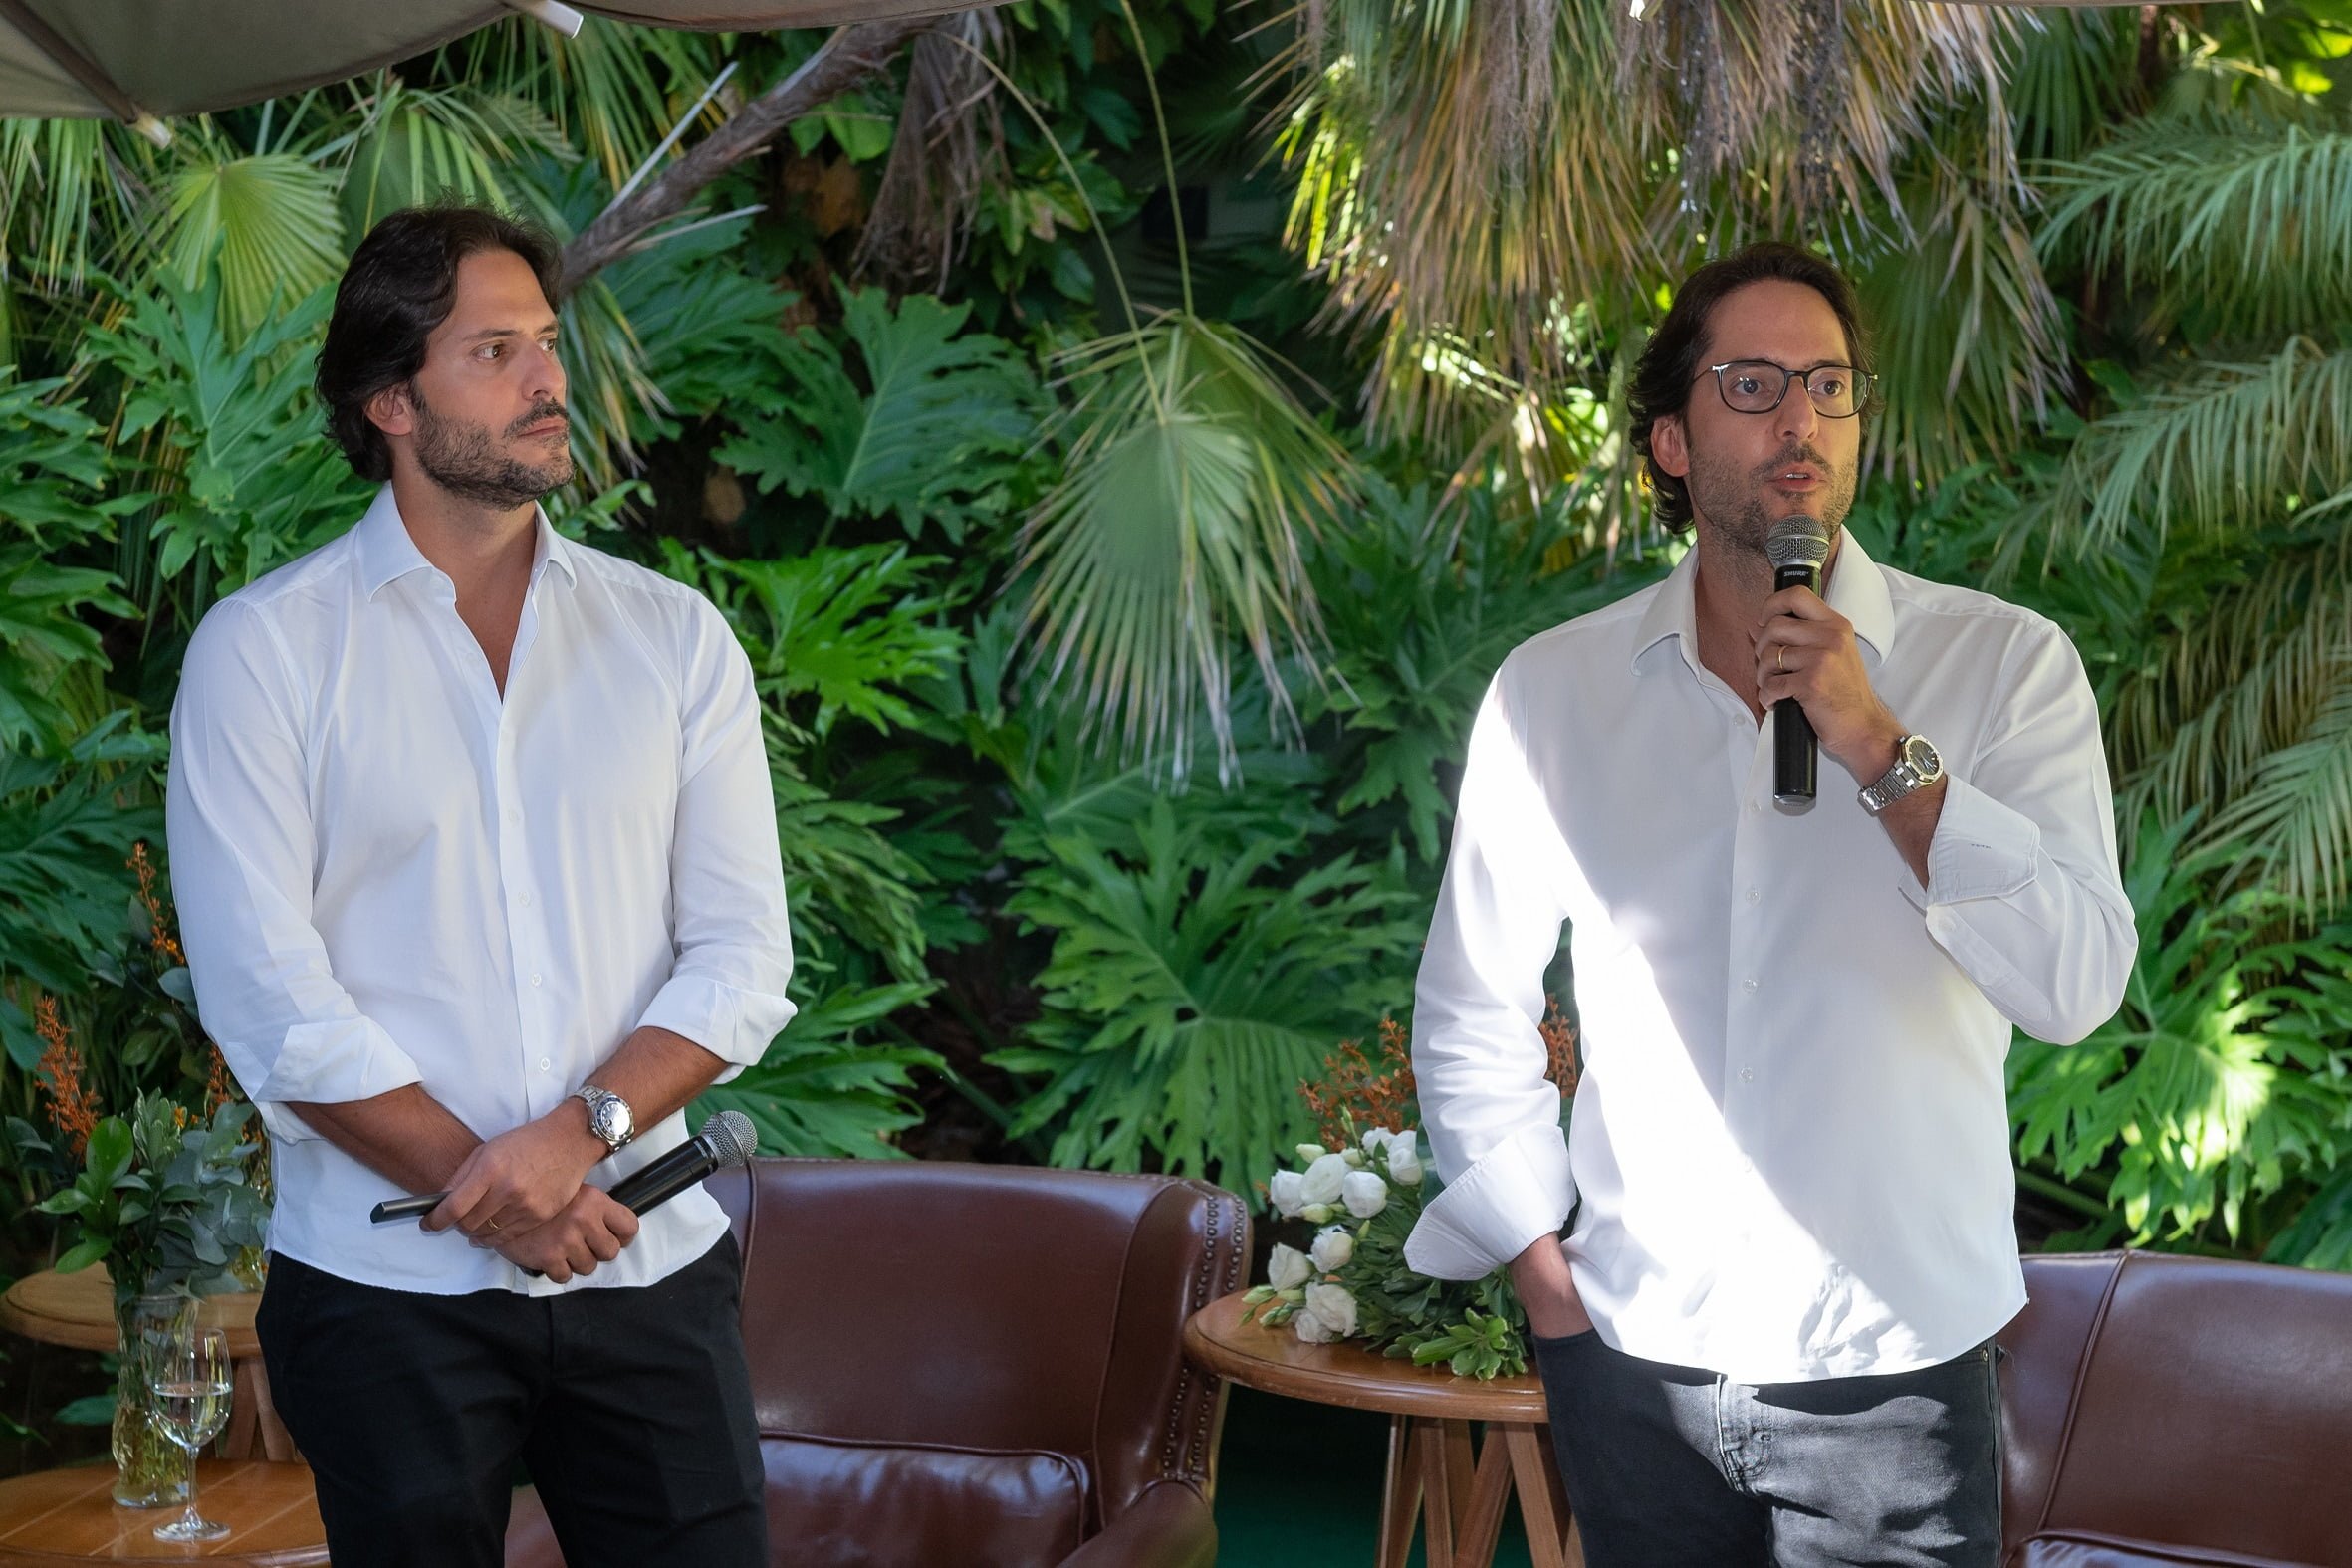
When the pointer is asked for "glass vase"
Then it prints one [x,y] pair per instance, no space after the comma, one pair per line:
[149,1471]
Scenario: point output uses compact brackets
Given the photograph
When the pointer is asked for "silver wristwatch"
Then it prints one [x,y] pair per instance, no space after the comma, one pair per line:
[609,1117]
[1915,767]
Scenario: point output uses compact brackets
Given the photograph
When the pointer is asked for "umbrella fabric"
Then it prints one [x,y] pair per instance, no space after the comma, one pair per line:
[81,58]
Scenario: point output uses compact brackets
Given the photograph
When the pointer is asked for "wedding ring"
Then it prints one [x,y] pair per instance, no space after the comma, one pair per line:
[1780,659]
[493,1225]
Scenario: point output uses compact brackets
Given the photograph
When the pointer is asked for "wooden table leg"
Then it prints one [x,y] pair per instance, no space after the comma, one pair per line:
[255,1431]
[1482,1508]
[1542,1500]
[1400,1495]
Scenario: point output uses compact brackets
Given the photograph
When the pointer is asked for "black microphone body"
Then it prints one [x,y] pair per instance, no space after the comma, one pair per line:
[1796,753]
[652,1184]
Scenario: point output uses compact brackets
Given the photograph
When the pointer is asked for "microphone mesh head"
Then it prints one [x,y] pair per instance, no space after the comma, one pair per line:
[1798,541]
[732,1138]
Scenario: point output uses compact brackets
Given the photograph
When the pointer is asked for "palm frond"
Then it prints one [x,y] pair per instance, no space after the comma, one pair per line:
[1970,349]
[2293,825]
[612,89]
[1192,474]
[2235,235]
[414,146]
[2242,676]
[2212,449]
[1474,170]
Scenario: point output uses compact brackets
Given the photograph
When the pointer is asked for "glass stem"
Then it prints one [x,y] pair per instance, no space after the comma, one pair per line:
[191,1519]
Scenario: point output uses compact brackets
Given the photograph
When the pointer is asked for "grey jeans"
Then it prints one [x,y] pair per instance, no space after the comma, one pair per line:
[1668,1466]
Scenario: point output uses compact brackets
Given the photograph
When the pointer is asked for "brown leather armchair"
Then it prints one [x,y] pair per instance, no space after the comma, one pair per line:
[2177,1410]
[966,1365]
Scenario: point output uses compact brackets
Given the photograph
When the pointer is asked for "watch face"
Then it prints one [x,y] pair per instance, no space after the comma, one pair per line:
[612,1120]
[1922,755]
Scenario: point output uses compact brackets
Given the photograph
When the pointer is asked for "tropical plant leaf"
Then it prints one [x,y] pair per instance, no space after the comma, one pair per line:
[1188,996]
[245,475]
[2201,1089]
[65,835]
[933,434]
[825,1089]
[1417,631]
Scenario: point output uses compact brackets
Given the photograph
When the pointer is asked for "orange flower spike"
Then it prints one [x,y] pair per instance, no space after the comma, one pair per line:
[160,935]
[73,1107]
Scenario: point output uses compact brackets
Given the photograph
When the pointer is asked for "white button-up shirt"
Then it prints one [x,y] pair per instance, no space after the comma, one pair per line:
[388,874]
[1791,1137]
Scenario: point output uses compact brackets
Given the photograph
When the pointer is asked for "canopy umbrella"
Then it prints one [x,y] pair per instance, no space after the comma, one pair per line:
[145,61]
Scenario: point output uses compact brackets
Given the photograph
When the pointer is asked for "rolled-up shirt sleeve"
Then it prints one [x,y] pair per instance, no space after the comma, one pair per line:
[2023,887]
[238,825]
[1491,1116]
[726,991]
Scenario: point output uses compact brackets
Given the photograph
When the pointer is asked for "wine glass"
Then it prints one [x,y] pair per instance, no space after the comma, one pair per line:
[189,1379]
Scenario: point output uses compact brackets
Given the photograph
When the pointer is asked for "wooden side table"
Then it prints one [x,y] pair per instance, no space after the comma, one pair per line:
[77,1310]
[1432,1473]
[59,1518]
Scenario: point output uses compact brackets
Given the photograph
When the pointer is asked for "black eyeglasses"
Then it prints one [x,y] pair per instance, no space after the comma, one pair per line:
[1758,386]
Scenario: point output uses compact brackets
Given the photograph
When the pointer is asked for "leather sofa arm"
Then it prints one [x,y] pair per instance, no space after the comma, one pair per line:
[1169,1526]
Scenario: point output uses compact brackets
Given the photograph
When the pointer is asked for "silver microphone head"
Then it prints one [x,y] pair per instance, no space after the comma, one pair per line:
[732,1137]
[1798,541]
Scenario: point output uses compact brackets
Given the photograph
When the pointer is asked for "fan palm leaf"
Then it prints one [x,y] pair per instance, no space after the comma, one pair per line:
[269,224]
[1192,472]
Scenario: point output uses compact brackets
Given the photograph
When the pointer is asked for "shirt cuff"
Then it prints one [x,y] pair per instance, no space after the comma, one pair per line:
[1517,1192]
[732,1023]
[1982,848]
[329,1064]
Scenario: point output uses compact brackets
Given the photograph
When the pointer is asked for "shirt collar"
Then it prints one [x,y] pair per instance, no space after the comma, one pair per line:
[1857,590]
[387,553]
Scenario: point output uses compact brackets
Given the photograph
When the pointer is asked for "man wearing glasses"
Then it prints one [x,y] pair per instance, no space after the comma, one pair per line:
[1767,1336]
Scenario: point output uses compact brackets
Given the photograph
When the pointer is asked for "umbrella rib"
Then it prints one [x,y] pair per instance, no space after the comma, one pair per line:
[82,68]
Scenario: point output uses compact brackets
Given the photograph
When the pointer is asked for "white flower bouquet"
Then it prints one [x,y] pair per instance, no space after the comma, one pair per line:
[1350,1281]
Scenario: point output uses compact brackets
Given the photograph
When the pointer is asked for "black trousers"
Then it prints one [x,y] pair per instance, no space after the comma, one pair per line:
[630,1408]
[1670,1465]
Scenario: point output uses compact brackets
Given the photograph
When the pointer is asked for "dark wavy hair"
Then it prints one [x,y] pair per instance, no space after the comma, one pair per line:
[400,285]
[1663,377]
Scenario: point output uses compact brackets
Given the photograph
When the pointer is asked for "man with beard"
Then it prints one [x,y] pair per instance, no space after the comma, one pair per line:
[1767,1337]
[475,850]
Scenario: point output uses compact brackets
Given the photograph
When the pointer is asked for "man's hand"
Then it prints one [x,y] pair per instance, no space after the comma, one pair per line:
[520,1179]
[1806,650]
[589,1229]
[1541,1277]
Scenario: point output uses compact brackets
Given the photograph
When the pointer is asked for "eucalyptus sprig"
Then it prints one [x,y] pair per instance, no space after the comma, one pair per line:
[165,1200]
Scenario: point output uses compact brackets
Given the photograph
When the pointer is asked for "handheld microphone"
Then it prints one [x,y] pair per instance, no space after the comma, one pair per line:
[727,1139]
[1797,547]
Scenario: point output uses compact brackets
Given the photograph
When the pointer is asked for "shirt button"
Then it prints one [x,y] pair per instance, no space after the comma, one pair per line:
[1754,806]
[535,981]
[527,899]
[545,1064]
[1753,896]
[1746,1075]
[1746,984]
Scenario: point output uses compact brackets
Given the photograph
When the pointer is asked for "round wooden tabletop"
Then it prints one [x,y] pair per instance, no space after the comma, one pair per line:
[58,1518]
[1278,1361]
[77,1310]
